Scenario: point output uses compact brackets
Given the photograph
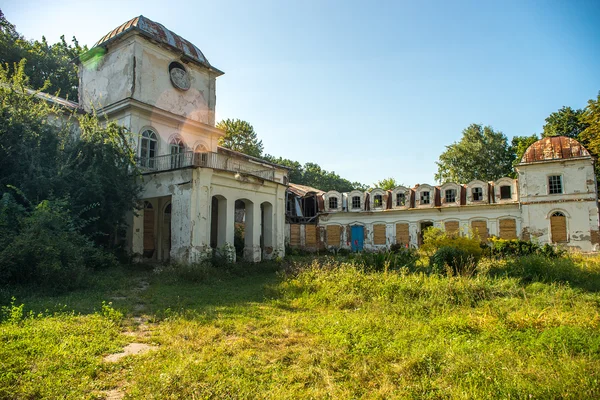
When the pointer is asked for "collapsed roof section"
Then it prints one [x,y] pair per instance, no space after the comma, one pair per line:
[303,203]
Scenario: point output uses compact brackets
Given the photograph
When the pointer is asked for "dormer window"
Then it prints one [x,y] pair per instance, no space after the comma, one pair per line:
[555,184]
[425,197]
[400,199]
[378,201]
[450,195]
[355,202]
[477,194]
[333,203]
[505,192]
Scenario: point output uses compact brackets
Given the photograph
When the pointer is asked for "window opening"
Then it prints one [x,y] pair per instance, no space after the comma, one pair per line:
[355,202]
[378,200]
[177,149]
[148,149]
[424,197]
[450,196]
[555,184]
[400,199]
[333,203]
[477,194]
[505,192]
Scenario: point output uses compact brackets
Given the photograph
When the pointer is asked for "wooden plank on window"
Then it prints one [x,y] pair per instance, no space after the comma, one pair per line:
[295,235]
[508,229]
[402,235]
[558,227]
[480,228]
[310,235]
[333,235]
[452,227]
[379,234]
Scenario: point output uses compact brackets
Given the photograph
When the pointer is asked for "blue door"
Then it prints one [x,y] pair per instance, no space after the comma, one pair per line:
[357,235]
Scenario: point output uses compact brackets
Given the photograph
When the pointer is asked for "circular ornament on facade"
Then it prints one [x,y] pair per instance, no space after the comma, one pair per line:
[179,78]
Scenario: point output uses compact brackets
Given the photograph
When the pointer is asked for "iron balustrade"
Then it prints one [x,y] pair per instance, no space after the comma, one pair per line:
[204,160]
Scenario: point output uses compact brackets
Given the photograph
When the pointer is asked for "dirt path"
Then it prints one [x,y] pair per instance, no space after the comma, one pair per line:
[138,327]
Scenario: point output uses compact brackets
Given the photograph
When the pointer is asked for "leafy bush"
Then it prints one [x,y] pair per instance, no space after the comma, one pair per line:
[516,247]
[460,261]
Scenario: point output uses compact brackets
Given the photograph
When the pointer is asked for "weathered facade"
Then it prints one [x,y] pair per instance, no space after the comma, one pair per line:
[163,90]
[554,200]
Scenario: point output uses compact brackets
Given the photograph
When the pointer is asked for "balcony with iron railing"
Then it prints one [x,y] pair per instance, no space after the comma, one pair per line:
[205,160]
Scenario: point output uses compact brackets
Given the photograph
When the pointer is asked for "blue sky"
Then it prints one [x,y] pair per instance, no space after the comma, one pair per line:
[367,89]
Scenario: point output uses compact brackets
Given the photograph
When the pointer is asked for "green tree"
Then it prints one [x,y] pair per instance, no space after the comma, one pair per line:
[45,62]
[240,136]
[482,153]
[564,122]
[386,184]
[590,136]
[519,145]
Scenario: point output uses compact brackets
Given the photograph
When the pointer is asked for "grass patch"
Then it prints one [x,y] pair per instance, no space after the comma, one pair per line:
[323,329]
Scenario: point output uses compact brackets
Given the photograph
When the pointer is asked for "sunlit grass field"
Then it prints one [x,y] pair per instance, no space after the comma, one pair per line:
[312,328]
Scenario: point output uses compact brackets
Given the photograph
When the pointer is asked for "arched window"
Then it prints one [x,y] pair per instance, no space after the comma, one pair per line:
[148,149]
[177,148]
[201,155]
[558,227]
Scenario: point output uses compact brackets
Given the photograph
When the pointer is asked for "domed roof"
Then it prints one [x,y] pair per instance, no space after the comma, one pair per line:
[554,148]
[157,32]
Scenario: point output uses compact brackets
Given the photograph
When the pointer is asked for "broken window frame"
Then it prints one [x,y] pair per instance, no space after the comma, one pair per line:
[503,192]
[555,184]
[378,201]
[477,193]
[450,195]
[355,202]
[425,197]
[400,199]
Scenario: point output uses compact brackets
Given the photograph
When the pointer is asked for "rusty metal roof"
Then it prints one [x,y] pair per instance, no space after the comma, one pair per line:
[159,33]
[554,148]
[302,190]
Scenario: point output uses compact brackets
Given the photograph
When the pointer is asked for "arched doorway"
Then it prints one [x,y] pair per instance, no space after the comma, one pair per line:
[149,243]
[166,233]
[218,222]
[558,227]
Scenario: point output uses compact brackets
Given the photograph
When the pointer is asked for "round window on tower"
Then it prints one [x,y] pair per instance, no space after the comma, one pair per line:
[179,76]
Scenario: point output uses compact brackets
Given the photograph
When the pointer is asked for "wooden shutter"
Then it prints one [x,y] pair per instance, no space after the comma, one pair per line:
[333,235]
[379,234]
[295,235]
[311,235]
[480,228]
[402,235]
[452,227]
[508,229]
[558,227]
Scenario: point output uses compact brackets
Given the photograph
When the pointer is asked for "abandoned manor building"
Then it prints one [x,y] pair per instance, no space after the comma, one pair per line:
[162,89]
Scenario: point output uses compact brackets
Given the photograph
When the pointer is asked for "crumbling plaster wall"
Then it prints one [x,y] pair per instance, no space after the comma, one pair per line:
[578,201]
[465,215]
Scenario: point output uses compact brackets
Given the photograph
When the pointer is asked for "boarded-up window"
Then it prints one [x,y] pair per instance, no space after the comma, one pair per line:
[558,227]
[480,229]
[295,235]
[402,235]
[508,229]
[311,235]
[451,227]
[379,234]
[333,235]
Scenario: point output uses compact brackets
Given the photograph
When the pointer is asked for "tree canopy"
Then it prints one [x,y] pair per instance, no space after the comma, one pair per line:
[45,62]
[386,184]
[482,153]
[240,136]
[564,122]
[519,145]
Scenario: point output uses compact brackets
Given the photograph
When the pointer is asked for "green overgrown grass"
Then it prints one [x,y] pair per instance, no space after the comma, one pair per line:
[518,328]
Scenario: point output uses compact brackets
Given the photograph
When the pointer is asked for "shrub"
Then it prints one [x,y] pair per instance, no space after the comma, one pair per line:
[516,247]
[460,262]
[385,260]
